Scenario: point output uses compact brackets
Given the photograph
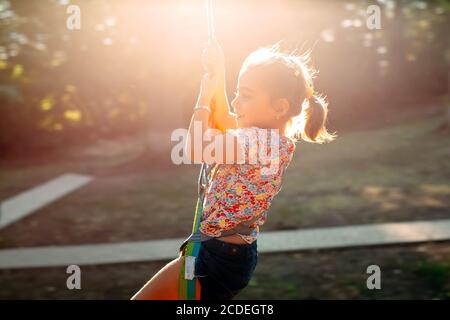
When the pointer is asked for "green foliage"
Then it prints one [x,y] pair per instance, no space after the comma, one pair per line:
[437,276]
[135,64]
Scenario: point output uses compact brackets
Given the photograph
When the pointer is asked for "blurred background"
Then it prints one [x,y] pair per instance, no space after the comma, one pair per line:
[104,99]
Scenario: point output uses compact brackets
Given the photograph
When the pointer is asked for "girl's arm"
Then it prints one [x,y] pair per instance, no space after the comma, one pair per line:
[197,128]
[223,118]
[196,140]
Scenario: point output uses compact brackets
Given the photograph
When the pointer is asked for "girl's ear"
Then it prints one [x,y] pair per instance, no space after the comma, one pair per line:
[281,107]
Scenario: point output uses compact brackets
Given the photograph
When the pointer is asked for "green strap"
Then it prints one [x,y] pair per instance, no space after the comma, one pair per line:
[187,289]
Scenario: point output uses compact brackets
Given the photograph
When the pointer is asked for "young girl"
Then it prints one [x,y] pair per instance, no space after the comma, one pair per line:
[274,102]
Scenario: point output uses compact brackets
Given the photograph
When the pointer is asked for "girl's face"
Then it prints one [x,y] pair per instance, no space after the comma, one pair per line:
[252,103]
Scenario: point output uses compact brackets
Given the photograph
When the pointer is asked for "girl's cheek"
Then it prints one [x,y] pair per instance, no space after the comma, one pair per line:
[252,105]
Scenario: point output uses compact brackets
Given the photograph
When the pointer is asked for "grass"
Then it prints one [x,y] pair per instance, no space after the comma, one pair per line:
[407,272]
[435,275]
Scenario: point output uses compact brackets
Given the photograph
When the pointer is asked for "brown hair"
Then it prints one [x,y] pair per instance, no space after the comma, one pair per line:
[287,75]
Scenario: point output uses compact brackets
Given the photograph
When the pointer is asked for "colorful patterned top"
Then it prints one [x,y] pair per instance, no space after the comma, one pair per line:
[240,192]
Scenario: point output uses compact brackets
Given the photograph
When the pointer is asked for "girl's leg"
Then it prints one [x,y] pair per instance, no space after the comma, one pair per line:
[164,285]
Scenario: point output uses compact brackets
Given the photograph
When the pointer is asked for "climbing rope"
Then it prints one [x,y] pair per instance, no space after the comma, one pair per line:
[191,246]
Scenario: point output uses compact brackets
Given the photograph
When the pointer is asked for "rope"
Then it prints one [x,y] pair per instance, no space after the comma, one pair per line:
[210,19]
[187,285]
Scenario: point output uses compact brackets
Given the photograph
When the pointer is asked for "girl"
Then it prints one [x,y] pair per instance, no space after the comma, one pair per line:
[274,102]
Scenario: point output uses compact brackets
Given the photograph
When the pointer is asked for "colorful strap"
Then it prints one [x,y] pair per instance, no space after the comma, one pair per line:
[187,289]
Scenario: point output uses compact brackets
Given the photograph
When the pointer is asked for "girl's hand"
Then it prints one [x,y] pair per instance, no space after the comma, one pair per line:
[208,87]
[213,59]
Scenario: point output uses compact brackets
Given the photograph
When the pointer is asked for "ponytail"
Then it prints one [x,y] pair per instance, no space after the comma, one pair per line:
[309,125]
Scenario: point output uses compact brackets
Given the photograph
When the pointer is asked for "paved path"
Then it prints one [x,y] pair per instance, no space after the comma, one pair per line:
[27,202]
[274,241]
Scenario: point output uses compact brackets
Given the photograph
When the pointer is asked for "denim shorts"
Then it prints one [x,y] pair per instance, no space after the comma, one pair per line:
[224,268]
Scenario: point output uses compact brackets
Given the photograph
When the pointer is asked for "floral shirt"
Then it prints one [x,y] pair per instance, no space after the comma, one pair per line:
[240,192]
